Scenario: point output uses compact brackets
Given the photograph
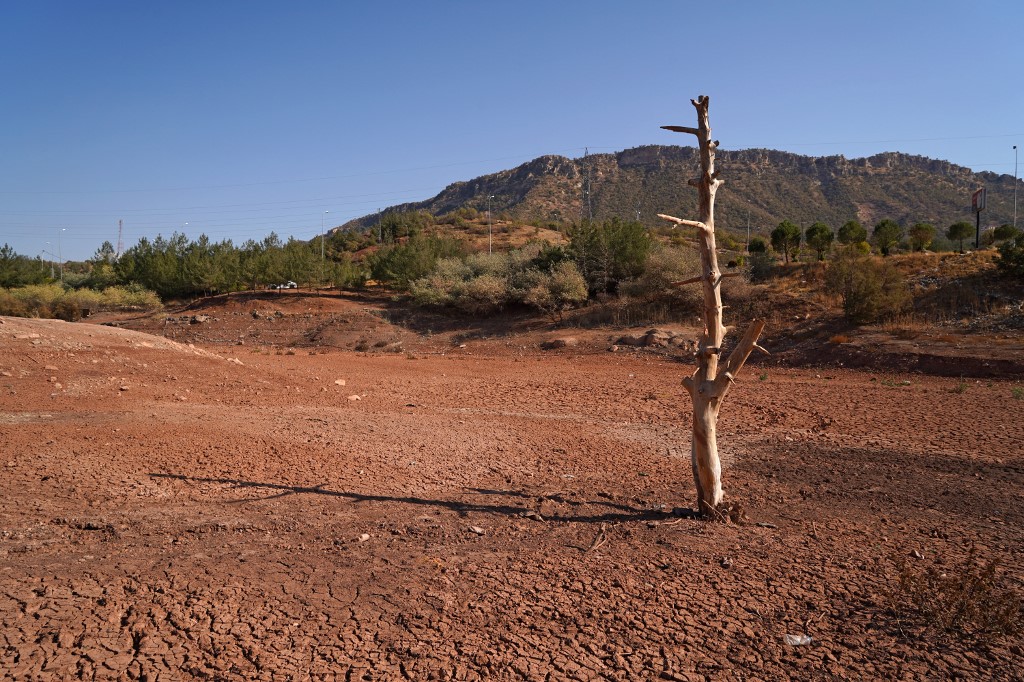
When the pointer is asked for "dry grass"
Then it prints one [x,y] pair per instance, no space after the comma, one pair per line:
[905,326]
[969,599]
[840,338]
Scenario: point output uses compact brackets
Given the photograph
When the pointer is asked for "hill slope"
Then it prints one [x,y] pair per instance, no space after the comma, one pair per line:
[768,186]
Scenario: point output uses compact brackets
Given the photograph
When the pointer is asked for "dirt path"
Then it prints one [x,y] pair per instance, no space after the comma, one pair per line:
[225,512]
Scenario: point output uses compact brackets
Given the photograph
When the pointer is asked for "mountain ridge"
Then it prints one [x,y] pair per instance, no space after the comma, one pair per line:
[763,186]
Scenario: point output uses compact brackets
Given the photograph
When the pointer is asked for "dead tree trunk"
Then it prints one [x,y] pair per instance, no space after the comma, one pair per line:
[709,384]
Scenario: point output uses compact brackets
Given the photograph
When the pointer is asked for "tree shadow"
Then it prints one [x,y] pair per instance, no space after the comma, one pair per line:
[616,513]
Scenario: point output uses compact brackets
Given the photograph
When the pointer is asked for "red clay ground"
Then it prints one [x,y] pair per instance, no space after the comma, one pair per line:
[493,511]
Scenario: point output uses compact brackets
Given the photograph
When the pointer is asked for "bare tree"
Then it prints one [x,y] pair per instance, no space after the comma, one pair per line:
[709,383]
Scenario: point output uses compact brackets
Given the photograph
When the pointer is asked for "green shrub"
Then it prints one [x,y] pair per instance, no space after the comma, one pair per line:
[482,295]
[869,289]
[610,252]
[557,291]
[401,264]
[665,266]
[1011,256]
[441,287]
[762,265]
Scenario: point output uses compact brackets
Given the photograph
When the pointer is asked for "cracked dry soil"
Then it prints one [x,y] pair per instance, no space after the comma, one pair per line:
[489,513]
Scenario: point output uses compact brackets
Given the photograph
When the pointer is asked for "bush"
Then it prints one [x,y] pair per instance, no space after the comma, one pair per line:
[482,295]
[401,264]
[12,306]
[869,289]
[761,266]
[557,291]
[1011,256]
[610,252]
[968,599]
[52,300]
[665,266]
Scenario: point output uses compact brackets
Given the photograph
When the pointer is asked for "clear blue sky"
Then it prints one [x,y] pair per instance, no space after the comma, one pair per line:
[242,117]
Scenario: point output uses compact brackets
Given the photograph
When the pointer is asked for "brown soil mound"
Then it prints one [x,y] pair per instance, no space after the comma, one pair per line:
[475,508]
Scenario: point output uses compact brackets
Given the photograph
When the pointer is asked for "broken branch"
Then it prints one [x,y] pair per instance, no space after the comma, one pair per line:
[682,129]
[680,221]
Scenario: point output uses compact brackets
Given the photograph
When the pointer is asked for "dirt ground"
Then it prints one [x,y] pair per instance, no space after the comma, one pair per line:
[309,491]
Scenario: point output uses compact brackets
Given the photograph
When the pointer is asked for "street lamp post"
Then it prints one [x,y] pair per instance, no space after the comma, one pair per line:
[60,256]
[50,244]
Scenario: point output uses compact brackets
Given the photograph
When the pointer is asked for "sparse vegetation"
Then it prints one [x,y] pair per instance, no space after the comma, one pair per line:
[54,301]
[870,290]
[960,388]
[1011,256]
[482,284]
[968,599]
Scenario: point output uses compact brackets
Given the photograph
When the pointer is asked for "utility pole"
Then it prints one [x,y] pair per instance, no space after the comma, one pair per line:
[747,247]
[120,239]
[322,216]
[586,161]
[1015,187]
[50,254]
[489,197]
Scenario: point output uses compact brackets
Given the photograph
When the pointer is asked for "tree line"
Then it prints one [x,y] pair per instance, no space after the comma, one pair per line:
[886,236]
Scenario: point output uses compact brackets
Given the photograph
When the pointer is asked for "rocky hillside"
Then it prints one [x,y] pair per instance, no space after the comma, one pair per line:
[768,186]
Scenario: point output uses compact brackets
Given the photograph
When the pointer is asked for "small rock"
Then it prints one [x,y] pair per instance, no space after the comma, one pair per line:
[363,538]
[123,387]
[476,529]
[726,562]
[916,554]
[532,515]
[354,398]
[50,368]
[339,382]
[563,342]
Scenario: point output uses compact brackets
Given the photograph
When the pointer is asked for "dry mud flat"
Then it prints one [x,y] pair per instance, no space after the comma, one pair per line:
[173,512]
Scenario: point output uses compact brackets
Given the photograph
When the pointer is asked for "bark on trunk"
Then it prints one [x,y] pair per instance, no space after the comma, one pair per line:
[707,386]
